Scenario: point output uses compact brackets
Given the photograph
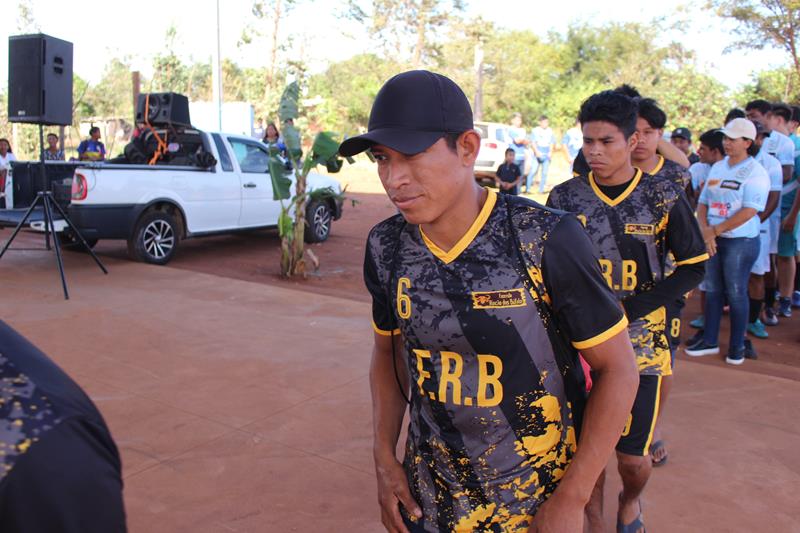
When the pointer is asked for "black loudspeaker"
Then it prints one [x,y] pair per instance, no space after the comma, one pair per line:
[39,80]
[163,109]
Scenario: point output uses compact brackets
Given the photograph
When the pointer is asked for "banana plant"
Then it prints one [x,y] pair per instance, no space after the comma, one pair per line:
[292,219]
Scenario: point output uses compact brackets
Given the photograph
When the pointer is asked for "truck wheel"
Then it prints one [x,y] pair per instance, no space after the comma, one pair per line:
[319,218]
[155,238]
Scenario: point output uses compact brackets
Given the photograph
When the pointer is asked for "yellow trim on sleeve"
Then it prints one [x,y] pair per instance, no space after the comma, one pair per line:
[469,236]
[384,332]
[693,260]
[658,166]
[602,337]
[600,194]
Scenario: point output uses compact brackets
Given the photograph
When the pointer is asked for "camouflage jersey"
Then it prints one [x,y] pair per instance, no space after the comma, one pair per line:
[633,234]
[59,467]
[490,330]
[672,171]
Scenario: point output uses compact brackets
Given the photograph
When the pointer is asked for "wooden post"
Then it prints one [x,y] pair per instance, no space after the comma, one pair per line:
[137,89]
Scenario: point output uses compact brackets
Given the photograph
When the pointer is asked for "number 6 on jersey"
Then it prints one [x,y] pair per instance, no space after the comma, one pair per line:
[403,300]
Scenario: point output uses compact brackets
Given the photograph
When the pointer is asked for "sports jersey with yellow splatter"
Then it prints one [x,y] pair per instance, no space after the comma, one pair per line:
[491,330]
[633,233]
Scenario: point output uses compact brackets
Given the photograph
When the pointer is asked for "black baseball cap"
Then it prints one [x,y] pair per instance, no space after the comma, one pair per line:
[683,133]
[412,111]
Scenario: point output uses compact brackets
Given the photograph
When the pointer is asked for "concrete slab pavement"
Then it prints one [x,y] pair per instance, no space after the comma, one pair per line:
[245,407]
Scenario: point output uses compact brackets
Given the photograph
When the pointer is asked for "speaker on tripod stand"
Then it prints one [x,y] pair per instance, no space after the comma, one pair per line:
[40,92]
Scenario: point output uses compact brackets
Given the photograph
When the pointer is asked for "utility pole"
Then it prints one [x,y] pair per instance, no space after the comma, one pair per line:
[136,88]
[216,76]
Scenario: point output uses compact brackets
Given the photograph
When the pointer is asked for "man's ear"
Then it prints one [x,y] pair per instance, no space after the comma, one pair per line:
[633,140]
[468,146]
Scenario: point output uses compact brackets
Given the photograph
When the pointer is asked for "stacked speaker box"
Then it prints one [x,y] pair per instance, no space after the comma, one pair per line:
[39,80]
[161,109]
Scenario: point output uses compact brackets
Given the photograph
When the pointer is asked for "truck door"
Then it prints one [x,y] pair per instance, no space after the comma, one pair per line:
[258,206]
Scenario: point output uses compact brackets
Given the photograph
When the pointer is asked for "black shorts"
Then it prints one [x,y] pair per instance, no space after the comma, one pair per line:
[638,432]
[673,326]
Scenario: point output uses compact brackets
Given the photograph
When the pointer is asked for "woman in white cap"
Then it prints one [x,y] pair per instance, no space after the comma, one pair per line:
[736,190]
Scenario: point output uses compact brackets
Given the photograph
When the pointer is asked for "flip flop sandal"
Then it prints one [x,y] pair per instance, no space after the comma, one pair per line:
[634,526]
[658,445]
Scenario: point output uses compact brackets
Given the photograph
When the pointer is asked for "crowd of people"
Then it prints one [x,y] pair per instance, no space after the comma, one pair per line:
[462,272]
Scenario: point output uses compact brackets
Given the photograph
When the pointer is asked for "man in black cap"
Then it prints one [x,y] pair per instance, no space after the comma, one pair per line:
[480,303]
[681,138]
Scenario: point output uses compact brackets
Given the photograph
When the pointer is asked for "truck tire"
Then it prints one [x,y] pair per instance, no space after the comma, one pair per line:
[155,238]
[319,218]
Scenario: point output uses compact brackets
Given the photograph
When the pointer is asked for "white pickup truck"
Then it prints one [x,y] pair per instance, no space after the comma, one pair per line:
[154,207]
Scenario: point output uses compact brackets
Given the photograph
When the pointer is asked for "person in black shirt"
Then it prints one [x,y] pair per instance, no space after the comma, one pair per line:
[59,467]
[508,175]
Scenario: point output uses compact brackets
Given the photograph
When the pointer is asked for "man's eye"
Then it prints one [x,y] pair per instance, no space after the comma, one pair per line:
[379,157]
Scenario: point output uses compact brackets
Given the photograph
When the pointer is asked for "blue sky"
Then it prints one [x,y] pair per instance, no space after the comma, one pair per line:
[135,29]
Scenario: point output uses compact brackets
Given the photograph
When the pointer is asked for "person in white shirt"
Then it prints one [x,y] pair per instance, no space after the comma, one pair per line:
[6,157]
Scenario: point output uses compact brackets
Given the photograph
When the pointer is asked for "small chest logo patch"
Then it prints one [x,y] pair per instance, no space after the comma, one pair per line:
[730,184]
[498,299]
[640,229]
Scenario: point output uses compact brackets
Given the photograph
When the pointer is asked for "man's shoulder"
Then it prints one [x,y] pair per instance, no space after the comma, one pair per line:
[387,230]
[528,215]
[570,186]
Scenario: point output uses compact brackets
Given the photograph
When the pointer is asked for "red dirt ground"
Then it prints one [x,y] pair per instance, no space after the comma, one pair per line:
[255,257]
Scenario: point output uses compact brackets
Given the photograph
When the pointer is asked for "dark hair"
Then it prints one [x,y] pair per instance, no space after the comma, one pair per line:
[795,113]
[783,111]
[451,139]
[8,143]
[752,150]
[649,110]
[762,106]
[542,117]
[93,129]
[713,139]
[735,113]
[613,107]
[277,131]
[628,90]
[510,150]
[52,135]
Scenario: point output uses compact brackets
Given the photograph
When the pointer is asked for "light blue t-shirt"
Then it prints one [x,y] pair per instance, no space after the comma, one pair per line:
[775,173]
[519,149]
[543,138]
[573,140]
[699,173]
[732,188]
[780,146]
[790,189]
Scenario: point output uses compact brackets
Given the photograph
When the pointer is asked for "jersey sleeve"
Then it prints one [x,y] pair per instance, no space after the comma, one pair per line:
[69,481]
[582,301]
[383,319]
[82,147]
[775,177]
[684,238]
[785,154]
[755,191]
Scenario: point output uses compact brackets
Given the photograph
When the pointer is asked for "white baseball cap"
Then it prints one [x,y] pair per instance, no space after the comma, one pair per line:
[740,128]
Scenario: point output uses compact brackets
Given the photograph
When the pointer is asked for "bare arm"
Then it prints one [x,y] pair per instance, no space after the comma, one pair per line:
[388,408]
[673,153]
[609,405]
[788,172]
[791,217]
[772,202]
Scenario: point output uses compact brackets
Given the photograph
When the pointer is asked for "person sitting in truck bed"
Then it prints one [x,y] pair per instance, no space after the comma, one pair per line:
[92,149]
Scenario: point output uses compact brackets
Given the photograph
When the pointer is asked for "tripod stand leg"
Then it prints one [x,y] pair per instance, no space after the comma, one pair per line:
[48,215]
[80,237]
[20,225]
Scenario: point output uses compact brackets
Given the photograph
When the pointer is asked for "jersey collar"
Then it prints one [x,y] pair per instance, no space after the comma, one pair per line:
[600,194]
[469,236]
[658,166]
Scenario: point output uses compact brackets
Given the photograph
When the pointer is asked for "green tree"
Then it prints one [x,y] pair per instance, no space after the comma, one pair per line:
[776,85]
[763,23]
[407,27]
